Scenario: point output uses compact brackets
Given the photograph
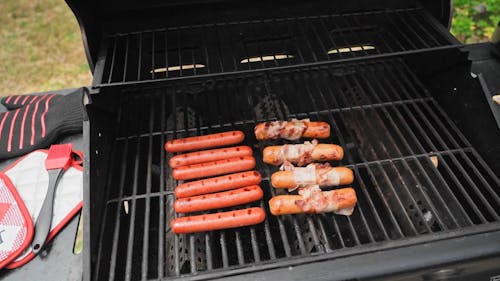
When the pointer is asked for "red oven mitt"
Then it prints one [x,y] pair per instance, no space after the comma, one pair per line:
[16,227]
[34,122]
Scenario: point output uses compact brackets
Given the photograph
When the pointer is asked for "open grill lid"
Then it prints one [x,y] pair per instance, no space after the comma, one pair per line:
[101,17]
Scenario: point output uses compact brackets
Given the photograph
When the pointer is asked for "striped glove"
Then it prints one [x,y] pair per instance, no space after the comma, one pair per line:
[34,122]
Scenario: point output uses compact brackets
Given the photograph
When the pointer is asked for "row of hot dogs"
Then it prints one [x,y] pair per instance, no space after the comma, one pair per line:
[237,187]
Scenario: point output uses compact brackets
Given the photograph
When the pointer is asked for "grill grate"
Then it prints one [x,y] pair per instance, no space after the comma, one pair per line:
[392,131]
[176,52]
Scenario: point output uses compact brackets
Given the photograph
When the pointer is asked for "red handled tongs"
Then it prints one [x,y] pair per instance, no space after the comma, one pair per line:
[58,161]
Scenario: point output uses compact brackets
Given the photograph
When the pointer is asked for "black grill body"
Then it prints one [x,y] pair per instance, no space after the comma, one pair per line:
[417,128]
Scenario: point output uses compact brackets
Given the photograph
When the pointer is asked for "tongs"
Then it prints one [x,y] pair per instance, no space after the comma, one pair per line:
[57,162]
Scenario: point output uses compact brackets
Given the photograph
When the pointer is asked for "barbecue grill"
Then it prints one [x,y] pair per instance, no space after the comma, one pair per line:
[418,130]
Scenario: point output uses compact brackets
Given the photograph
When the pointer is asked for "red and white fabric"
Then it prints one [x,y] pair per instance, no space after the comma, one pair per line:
[16,226]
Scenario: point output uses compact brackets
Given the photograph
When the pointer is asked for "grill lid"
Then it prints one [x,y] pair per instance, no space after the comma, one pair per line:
[97,18]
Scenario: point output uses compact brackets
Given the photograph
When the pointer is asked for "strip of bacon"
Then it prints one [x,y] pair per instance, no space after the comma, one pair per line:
[315,201]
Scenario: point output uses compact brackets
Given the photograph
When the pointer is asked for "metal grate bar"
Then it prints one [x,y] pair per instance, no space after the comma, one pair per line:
[113,56]
[222,241]
[166,53]
[486,167]
[218,47]
[117,216]
[161,218]
[338,232]
[179,52]
[255,246]
[139,62]
[106,210]
[131,231]
[125,63]
[153,62]
[145,244]
[208,248]
[204,40]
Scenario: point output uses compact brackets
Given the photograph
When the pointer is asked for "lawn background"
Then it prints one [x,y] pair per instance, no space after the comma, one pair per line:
[41,47]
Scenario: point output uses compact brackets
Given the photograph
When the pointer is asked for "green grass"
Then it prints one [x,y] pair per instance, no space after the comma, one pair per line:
[471,26]
[41,47]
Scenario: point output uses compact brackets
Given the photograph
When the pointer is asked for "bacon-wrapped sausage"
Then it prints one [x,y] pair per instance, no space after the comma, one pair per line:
[292,130]
[312,200]
[302,154]
[321,174]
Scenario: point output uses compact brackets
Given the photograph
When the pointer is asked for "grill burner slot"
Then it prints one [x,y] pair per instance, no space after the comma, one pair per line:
[221,48]
[380,113]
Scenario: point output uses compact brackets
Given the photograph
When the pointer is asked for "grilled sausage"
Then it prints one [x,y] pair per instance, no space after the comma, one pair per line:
[214,168]
[218,200]
[339,201]
[217,184]
[204,142]
[302,154]
[292,130]
[321,174]
[209,155]
[223,220]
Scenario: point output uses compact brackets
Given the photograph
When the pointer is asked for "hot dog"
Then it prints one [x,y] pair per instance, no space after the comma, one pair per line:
[217,184]
[292,130]
[214,168]
[302,154]
[223,220]
[320,174]
[312,200]
[218,200]
[204,142]
[209,155]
